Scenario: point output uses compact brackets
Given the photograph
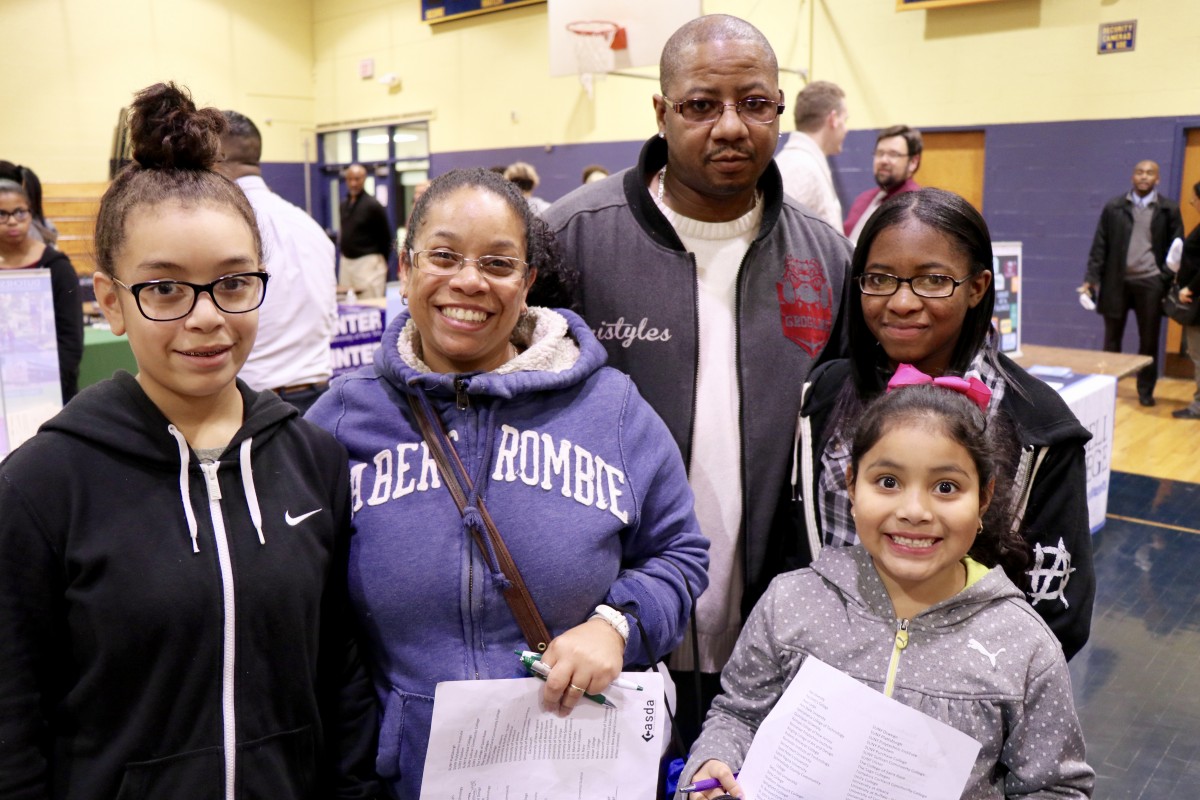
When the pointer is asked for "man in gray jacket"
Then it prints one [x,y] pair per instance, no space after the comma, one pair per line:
[716,293]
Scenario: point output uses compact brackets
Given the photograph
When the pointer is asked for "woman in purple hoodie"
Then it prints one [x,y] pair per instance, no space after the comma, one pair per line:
[582,478]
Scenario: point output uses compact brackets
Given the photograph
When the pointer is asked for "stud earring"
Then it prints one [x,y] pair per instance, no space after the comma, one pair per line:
[662,135]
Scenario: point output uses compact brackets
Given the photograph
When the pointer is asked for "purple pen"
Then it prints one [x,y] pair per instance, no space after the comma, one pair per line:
[702,786]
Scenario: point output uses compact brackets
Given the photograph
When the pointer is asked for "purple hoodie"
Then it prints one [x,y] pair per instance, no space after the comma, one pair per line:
[585,485]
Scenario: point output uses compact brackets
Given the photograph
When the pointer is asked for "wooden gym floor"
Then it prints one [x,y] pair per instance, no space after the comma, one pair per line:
[1137,682]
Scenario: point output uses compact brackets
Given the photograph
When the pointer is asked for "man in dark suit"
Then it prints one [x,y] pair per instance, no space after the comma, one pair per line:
[1127,267]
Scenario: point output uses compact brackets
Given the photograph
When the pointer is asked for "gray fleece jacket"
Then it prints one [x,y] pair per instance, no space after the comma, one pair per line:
[638,294]
[1019,708]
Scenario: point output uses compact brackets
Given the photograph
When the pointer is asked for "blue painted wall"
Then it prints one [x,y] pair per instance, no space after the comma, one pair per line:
[1044,186]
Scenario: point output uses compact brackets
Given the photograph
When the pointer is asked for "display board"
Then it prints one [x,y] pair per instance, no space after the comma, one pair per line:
[30,391]
[360,328]
[1093,400]
[1006,272]
[434,11]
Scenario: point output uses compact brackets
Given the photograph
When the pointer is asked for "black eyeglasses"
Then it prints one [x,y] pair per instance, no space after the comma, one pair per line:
[19,214]
[703,111]
[163,301]
[880,284]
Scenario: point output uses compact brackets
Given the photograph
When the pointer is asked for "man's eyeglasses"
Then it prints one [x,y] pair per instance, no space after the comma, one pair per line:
[163,301]
[703,111]
[18,214]
[880,284]
[891,155]
[445,263]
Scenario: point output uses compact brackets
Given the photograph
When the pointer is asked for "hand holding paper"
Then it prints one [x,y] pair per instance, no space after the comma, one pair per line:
[881,745]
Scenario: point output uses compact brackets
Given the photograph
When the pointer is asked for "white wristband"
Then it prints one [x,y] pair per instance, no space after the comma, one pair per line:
[614,618]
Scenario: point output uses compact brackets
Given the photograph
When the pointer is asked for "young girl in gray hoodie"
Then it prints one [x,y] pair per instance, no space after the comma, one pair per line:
[923,609]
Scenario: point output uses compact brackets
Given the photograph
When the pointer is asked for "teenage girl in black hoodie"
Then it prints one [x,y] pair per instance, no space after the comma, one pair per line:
[173,544]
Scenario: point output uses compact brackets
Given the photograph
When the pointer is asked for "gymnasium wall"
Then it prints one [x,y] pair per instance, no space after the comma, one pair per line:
[1063,125]
[70,65]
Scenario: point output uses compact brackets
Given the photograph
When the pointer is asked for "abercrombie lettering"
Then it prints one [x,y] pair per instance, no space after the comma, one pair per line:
[535,459]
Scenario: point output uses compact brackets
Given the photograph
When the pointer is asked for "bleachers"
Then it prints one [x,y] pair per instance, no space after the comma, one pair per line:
[72,207]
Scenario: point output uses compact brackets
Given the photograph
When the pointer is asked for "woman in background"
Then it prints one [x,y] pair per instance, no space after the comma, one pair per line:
[527,180]
[1189,292]
[43,229]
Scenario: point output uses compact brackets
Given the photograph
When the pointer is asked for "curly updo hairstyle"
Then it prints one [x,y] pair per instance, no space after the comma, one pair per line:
[989,443]
[175,146]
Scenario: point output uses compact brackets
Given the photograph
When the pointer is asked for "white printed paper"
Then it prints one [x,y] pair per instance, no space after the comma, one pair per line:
[491,740]
[831,736]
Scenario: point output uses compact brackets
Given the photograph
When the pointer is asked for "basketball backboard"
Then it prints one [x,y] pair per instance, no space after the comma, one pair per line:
[646,27]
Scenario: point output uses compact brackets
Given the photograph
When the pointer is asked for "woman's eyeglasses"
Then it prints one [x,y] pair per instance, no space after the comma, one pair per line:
[18,214]
[163,301]
[445,263]
[880,284]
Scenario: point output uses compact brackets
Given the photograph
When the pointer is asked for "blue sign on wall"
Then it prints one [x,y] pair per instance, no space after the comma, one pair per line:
[443,10]
[1117,37]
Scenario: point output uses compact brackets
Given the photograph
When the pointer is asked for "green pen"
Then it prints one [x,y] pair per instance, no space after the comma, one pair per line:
[534,664]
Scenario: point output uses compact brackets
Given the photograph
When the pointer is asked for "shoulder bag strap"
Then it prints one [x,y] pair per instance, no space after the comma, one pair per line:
[455,476]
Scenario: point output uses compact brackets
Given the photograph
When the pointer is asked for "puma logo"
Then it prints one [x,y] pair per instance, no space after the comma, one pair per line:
[974,645]
[294,521]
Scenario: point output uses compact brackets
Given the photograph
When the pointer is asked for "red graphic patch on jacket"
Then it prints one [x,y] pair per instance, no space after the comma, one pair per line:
[805,304]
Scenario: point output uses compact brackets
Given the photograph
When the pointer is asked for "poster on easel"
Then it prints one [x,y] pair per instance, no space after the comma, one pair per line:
[30,391]
[1006,316]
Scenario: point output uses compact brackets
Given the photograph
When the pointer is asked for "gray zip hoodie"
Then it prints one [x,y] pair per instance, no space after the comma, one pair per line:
[982,661]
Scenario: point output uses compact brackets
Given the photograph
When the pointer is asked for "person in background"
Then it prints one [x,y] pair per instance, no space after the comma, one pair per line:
[924,610]
[717,293]
[173,544]
[1126,268]
[418,190]
[20,249]
[527,180]
[1189,292]
[43,229]
[581,477]
[594,172]
[803,162]
[298,318]
[897,158]
[366,238]
[923,273]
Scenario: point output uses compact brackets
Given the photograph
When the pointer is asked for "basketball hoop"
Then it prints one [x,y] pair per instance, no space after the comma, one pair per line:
[596,43]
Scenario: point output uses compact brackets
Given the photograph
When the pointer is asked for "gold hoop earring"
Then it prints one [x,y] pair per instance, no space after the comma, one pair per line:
[980,531]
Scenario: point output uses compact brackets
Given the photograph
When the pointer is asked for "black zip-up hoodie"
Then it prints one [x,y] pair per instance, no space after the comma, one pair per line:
[153,610]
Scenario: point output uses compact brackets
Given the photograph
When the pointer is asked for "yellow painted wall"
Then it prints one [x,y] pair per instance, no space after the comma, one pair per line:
[484,81]
[70,65]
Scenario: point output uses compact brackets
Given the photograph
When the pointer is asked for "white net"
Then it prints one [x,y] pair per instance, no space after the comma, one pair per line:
[594,54]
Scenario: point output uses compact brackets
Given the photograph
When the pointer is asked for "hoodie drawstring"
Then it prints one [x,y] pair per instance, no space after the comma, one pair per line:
[471,515]
[185,494]
[248,488]
[471,518]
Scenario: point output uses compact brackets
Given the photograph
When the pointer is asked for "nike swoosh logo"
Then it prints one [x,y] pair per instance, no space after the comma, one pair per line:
[294,521]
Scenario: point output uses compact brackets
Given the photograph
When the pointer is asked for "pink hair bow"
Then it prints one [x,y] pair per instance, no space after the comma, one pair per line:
[975,390]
